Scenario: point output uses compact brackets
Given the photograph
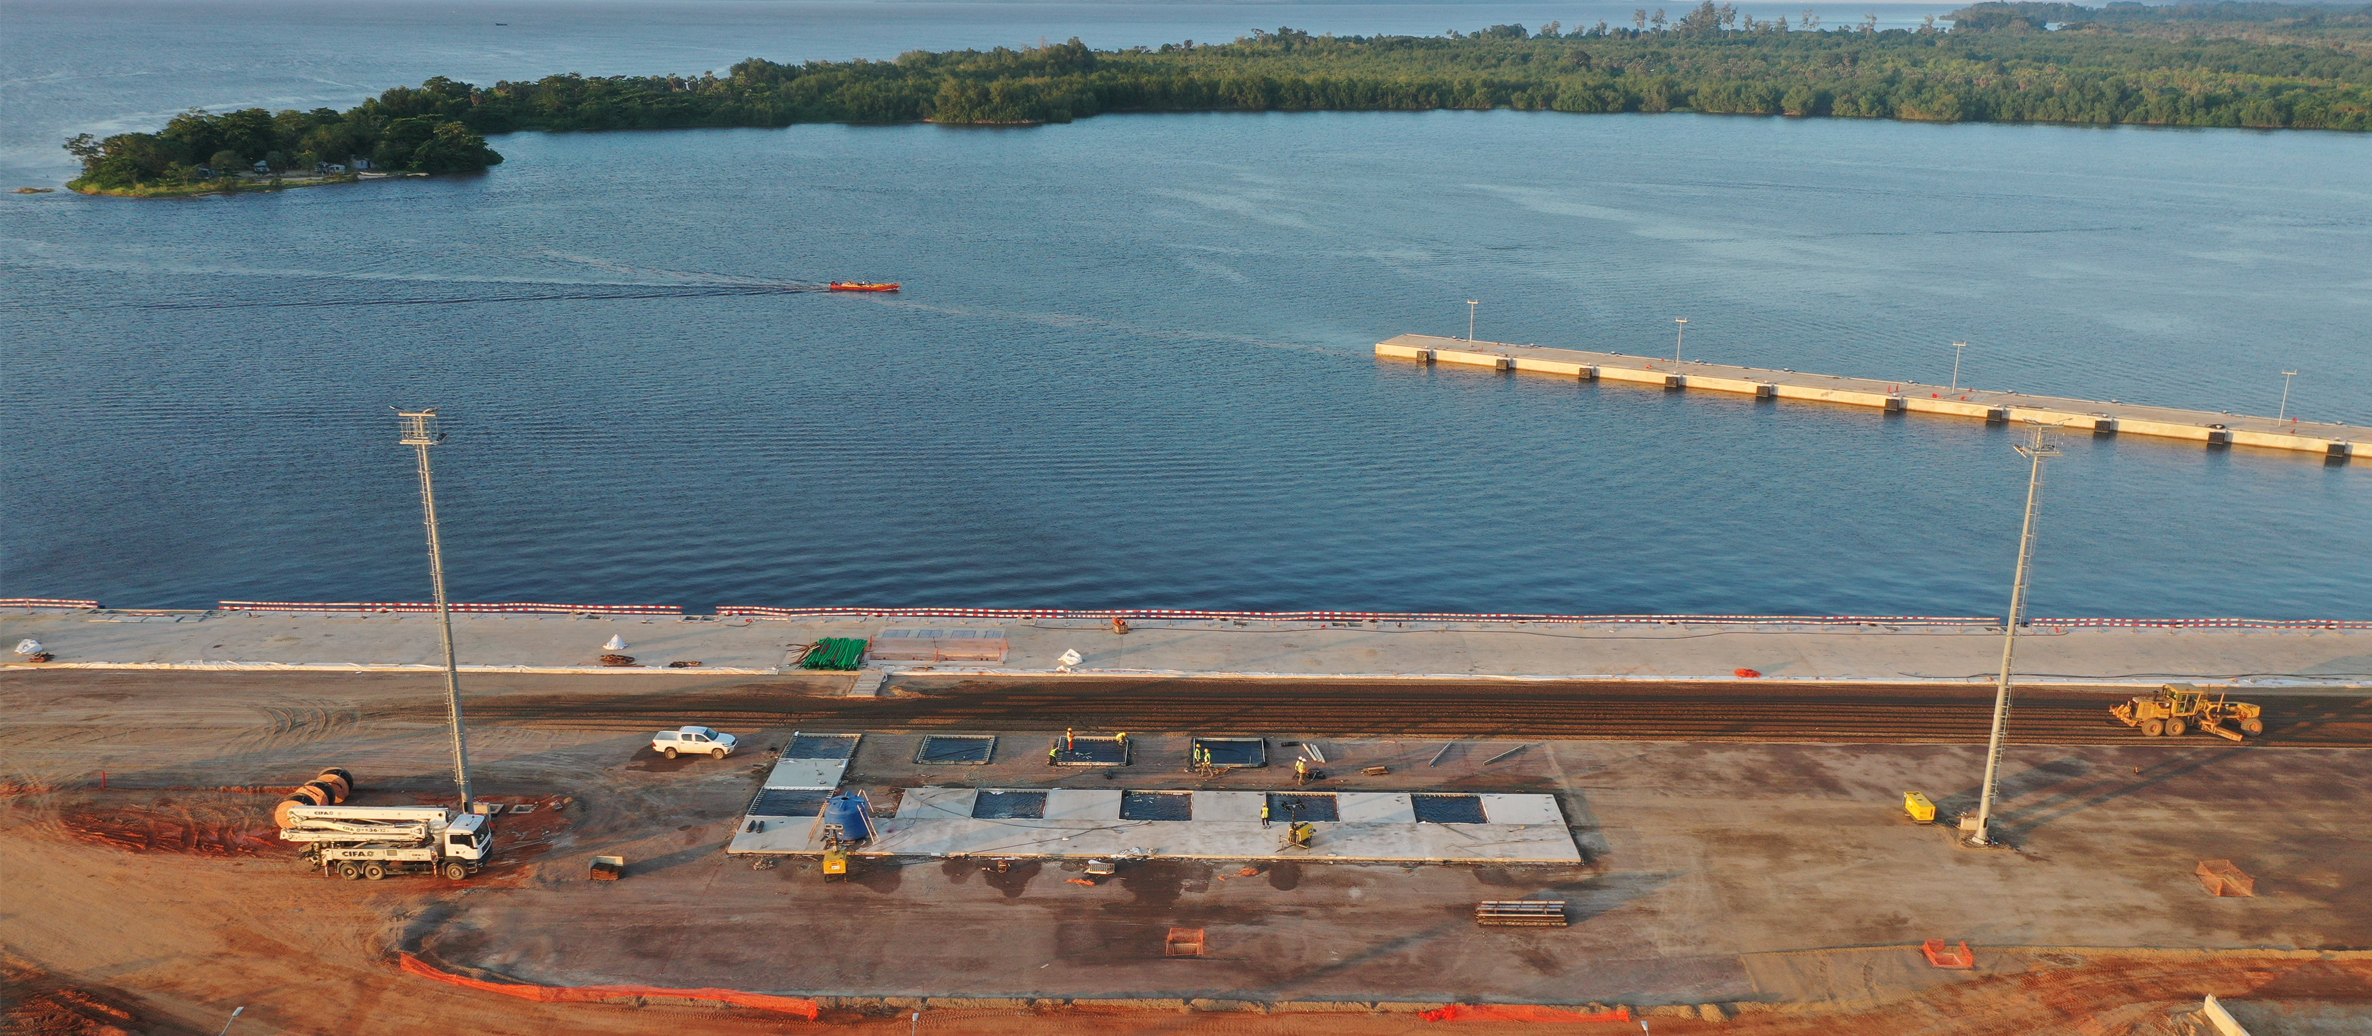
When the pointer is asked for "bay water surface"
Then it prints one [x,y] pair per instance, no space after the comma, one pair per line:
[1132,366]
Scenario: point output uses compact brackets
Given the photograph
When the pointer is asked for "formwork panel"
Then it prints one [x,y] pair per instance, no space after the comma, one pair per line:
[966,749]
[1099,750]
[822,746]
[1448,809]
[1234,752]
[1315,806]
[788,802]
[1157,805]
[1009,805]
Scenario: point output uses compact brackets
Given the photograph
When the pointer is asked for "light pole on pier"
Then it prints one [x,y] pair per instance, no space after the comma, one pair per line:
[420,433]
[2035,451]
[2285,393]
[1470,304]
[1956,348]
[1679,338]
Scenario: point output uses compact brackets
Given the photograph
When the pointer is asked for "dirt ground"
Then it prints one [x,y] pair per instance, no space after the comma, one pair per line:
[1772,882]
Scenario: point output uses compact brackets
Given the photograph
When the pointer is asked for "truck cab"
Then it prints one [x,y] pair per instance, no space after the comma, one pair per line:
[689,740]
[468,840]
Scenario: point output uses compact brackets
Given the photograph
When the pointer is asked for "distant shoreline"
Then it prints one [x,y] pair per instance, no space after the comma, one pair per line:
[215,186]
[2006,63]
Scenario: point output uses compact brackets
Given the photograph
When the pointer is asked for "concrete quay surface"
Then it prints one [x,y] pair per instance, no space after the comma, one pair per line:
[2074,415]
[1516,650]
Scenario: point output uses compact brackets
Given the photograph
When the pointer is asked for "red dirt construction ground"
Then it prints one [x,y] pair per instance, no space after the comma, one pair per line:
[159,908]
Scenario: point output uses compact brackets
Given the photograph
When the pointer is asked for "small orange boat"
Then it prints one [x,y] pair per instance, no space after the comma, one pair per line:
[862,286]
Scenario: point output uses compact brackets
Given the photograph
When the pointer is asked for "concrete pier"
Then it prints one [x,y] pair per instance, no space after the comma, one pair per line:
[2096,416]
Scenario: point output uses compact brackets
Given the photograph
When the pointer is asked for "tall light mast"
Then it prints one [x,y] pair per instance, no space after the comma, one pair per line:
[420,433]
[2037,451]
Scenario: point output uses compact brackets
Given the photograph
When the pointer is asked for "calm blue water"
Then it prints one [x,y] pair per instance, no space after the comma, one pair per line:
[1133,365]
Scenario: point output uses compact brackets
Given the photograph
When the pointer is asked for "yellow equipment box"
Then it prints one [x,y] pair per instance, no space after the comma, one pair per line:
[835,863]
[1919,807]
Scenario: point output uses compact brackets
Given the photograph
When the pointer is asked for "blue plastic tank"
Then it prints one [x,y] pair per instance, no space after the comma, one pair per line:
[850,815]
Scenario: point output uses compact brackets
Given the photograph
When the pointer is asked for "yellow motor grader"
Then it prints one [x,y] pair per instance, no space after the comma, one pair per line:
[2178,707]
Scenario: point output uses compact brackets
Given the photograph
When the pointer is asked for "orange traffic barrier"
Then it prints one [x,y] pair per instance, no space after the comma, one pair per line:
[790,1005]
[1520,1013]
[1942,955]
[2223,879]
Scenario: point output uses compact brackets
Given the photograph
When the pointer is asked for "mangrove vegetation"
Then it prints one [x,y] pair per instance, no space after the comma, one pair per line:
[2221,65]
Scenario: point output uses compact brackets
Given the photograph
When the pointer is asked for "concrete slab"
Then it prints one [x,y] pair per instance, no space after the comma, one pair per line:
[1204,840]
[1377,807]
[936,803]
[956,750]
[1522,809]
[1085,822]
[806,773]
[1228,805]
[1083,804]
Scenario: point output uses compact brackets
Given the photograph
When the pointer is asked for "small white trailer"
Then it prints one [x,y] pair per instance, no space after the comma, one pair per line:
[372,842]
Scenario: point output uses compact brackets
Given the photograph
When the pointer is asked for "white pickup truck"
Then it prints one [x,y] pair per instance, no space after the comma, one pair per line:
[693,740]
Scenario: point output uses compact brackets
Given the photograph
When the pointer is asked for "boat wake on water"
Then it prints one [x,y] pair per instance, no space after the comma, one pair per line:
[591,293]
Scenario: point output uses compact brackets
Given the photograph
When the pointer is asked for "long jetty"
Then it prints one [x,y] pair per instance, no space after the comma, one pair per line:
[2335,441]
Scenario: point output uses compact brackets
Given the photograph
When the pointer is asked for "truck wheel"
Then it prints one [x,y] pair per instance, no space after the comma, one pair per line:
[668,752]
[2252,726]
[349,871]
[2174,728]
[373,871]
[456,871]
[2152,728]
[716,753]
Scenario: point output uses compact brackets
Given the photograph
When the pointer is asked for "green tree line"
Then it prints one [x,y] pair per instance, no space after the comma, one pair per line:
[1996,64]
[403,130]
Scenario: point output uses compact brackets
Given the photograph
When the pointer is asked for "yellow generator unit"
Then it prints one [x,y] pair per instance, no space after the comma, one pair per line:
[2180,707]
[1919,807]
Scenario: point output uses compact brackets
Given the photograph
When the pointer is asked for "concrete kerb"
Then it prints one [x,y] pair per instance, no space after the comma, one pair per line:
[1713,1012]
[2292,685]
[403,667]
[2112,686]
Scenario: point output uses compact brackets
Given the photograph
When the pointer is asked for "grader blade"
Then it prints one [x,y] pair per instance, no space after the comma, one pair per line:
[2216,727]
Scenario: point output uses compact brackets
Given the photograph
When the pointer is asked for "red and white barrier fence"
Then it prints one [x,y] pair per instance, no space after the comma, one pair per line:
[48,602]
[2276,624]
[756,612]
[516,608]
[761,612]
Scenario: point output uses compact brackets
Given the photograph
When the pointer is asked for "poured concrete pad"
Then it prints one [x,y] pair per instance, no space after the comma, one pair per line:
[1085,822]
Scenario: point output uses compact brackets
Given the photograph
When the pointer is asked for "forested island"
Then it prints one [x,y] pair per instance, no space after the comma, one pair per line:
[2227,64]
